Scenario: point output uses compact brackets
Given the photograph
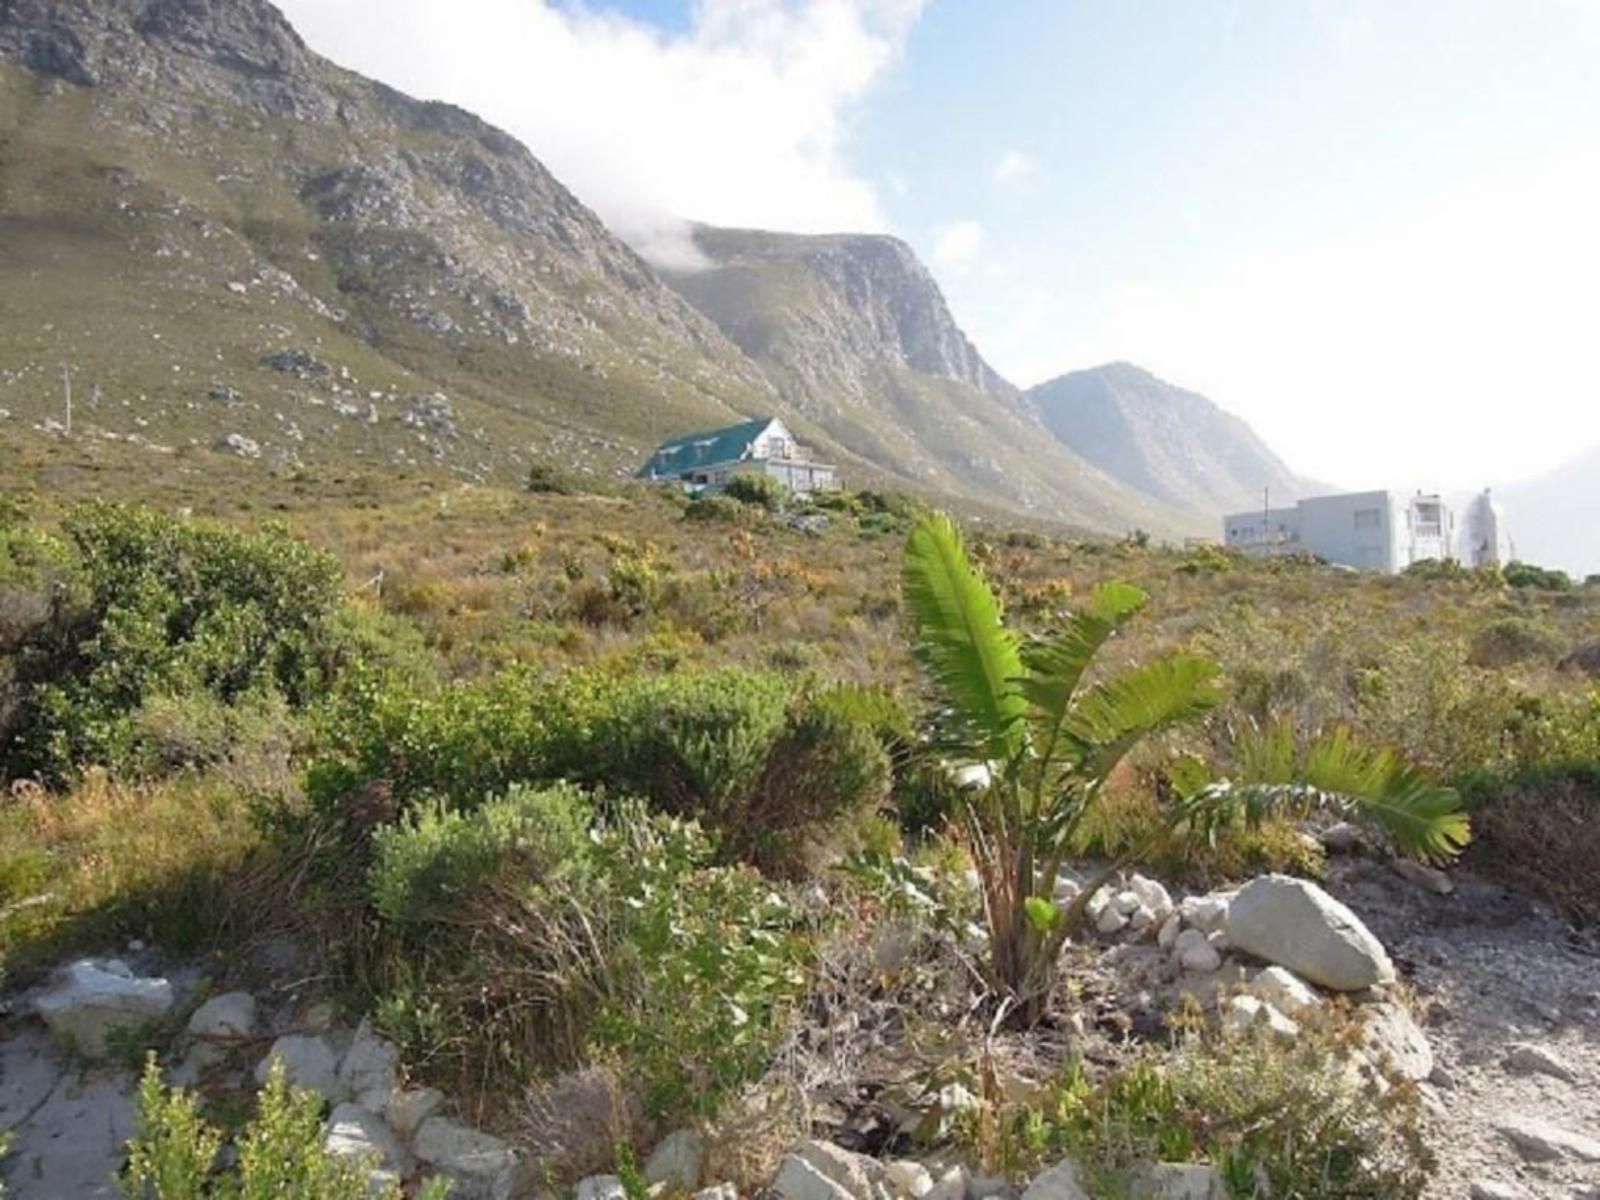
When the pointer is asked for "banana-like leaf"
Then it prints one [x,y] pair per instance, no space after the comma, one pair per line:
[960,640]
[1055,666]
[1114,716]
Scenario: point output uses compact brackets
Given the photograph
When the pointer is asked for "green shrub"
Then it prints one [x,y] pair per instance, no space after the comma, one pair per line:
[548,479]
[1526,575]
[168,607]
[715,508]
[1284,1121]
[1513,640]
[762,490]
[173,1153]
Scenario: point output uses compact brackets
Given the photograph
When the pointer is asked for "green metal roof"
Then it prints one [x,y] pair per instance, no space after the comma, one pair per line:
[697,451]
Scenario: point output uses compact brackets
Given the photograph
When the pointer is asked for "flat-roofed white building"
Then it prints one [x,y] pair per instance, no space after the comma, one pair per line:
[1371,531]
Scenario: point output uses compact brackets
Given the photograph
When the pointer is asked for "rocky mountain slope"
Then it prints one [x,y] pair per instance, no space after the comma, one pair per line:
[234,246]
[855,334]
[225,236]
[1555,519]
[1172,444]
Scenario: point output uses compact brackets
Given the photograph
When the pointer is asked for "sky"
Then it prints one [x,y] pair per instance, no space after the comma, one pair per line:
[1369,227]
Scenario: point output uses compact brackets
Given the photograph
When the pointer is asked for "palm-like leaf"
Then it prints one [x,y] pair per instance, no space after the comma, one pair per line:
[961,642]
[1114,716]
[1055,666]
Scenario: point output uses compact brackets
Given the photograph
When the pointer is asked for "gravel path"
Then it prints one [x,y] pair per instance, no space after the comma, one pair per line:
[1510,996]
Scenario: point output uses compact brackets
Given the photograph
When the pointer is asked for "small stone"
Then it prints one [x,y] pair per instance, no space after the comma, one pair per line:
[1342,838]
[1111,920]
[1168,933]
[720,1191]
[799,1180]
[1494,1189]
[1526,1058]
[1126,902]
[1152,895]
[855,1173]
[1285,991]
[1061,1182]
[369,1073]
[678,1161]
[1141,920]
[230,1015]
[1539,1140]
[309,1063]
[1442,1077]
[952,1185]
[1206,913]
[1429,879]
[1178,1181]
[602,1187]
[1066,889]
[910,1178]
[1195,952]
[1243,1013]
[409,1109]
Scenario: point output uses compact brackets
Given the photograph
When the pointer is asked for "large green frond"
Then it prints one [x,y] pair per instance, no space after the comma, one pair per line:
[960,640]
[1054,666]
[1424,818]
[1112,717]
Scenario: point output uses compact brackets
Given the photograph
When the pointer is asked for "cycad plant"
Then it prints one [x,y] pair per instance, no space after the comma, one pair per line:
[1044,740]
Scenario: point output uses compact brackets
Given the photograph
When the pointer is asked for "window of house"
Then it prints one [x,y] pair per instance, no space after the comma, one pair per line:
[1369,518]
[777,447]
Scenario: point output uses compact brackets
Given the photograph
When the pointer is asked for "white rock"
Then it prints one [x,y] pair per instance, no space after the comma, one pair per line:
[230,1015]
[855,1173]
[1390,1035]
[91,999]
[1245,1012]
[1296,924]
[720,1191]
[1285,991]
[1111,920]
[481,1165]
[1526,1058]
[407,1110]
[1429,879]
[1066,889]
[1195,953]
[952,1185]
[1152,895]
[601,1187]
[309,1063]
[799,1180]
[1061,1182]
[1206,913]
[369,1072]
[1168,933]
[355,1132]
[1126,902]
[1540,1141]
[1142,919]
[1218,940]
[678,1161]
[1178,1181]
[910,1178]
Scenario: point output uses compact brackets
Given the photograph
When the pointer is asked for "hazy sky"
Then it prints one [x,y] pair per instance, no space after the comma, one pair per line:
[1370,228]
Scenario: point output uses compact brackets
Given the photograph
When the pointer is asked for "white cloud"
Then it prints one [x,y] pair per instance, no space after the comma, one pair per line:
[742,119]
[957,246]
[1014,166]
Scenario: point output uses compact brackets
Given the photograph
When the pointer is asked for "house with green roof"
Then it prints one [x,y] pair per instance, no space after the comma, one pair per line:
[705,462]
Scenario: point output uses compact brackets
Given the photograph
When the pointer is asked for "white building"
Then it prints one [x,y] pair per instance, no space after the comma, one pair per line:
[707,461]
[1371,531]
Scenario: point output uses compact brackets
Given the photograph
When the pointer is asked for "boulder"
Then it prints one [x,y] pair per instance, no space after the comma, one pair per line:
[1206,913]
[1242,1013]
[1295,924]
[94,998]
[799,1180]
[951,1185]
[1285,991]
[356,1132]
[678,1161]
[855,1173]
[1390,1035]
[230,1015]
[1178,1181]
[482,1166]
[1526,1058]
[1538,1140]
[1111,920]
[309,1063]
[910,1178]
[1152,895]
[369,1071]
[1194,952]
[1168,933]
[407,1110]
[1061,1182]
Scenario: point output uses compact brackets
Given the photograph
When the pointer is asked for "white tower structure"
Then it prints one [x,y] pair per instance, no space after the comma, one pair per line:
[1485,541]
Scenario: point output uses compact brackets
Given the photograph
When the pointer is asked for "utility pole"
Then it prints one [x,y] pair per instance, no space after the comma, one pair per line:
[66,387]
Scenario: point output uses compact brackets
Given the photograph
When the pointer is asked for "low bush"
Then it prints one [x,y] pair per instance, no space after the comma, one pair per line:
[1526,575]
[1513,640]
[761,490]
[715,508]
[1539,829]
[174,1152]
[1275,1120]
[568,948]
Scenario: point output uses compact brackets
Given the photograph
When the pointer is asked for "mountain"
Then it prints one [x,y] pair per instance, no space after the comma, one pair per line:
[1554,520]
[1169,443]
[855,335]
[231,240]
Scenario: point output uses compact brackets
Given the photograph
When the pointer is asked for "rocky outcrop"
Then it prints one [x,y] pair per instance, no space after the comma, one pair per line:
[91,1001]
